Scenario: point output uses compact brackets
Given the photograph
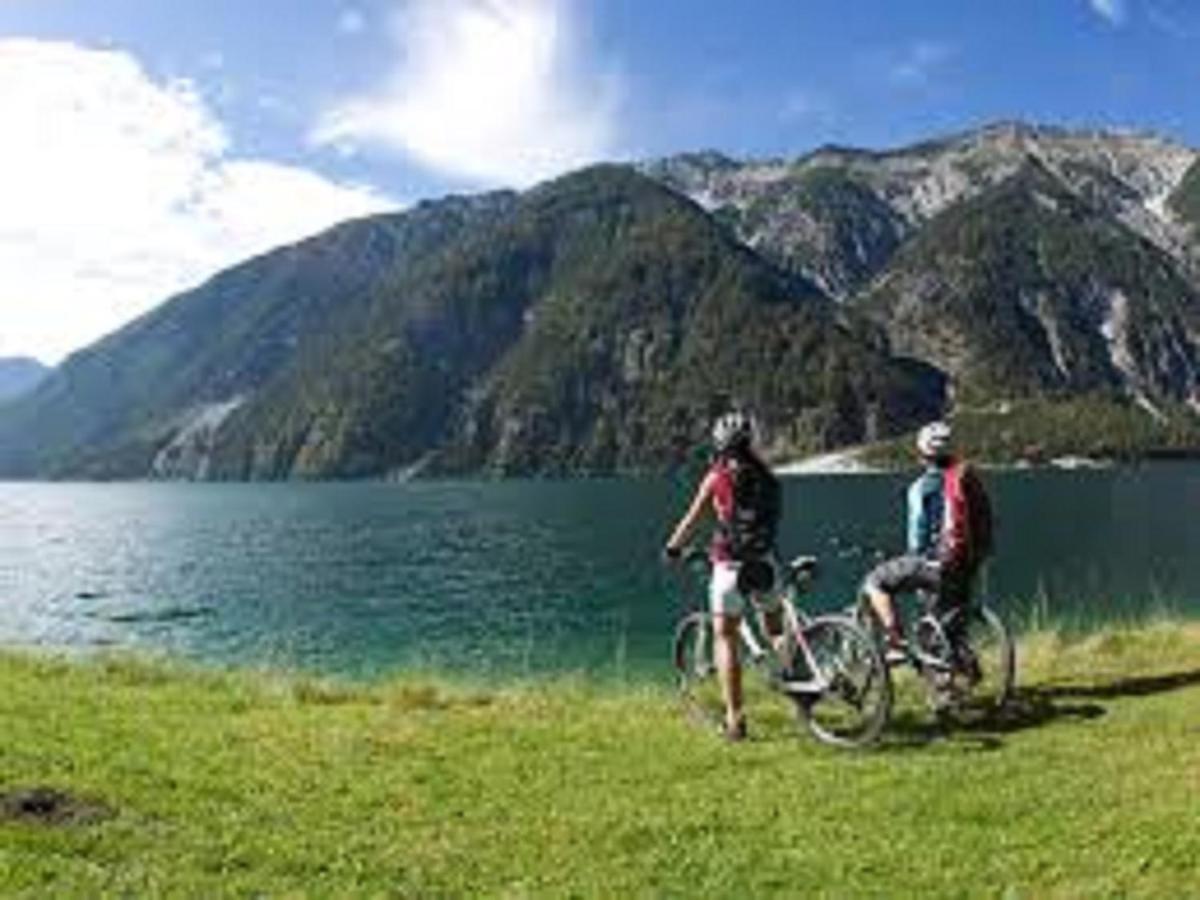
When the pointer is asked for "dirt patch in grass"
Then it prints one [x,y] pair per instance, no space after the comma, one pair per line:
[50,806]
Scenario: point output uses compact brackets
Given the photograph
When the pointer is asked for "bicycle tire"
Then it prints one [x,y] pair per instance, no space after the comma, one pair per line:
[991,644]
[864,618]
[856,706]
[974,673]
[695,667]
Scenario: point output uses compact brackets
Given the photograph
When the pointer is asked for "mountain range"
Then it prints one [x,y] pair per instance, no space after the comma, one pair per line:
[1032,280]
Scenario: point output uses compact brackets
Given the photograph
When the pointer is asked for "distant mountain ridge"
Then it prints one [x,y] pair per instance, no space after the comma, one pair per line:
[596,322]
[19,374]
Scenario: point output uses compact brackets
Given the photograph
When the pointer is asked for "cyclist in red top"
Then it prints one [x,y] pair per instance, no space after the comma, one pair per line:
[744,496]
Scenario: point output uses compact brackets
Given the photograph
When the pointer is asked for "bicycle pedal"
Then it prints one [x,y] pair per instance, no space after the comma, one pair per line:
[799,687]
[896,656]
[778,680]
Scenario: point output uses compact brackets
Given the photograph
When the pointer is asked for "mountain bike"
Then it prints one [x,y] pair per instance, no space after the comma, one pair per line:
[963,653]
[825,670]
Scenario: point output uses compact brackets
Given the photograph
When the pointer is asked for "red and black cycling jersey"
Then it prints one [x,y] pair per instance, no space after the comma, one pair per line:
[746,500]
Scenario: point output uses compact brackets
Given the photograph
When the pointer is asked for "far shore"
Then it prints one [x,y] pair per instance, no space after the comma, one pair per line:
[837,462]
[849,461]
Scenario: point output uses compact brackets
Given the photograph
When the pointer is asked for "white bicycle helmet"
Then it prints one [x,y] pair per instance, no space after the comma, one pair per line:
[731,430]
[933,441]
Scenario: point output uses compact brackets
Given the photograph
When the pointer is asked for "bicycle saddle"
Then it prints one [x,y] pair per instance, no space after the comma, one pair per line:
[804,565]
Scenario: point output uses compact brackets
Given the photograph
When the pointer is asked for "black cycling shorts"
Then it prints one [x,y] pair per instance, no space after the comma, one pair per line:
[911,573]
[905,574]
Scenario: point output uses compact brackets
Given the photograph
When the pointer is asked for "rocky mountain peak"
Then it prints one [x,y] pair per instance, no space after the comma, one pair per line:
[1129,175]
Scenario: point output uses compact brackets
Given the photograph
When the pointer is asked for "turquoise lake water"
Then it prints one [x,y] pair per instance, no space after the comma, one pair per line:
[521,578]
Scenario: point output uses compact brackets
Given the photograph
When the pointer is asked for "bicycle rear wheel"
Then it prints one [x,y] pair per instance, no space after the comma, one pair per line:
[985,662]
[857,701]
[696,668]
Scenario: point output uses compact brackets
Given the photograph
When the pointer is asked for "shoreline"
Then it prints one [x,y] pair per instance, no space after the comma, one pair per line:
[1026,621]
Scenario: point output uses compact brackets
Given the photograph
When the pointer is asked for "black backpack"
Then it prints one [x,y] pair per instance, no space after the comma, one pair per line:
[756,510]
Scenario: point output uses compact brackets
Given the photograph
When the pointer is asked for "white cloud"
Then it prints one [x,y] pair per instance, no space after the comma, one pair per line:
[489,92]
[1171,23]
[117,191]
[807,105]
[351,21]
[1111,10]
[919,62]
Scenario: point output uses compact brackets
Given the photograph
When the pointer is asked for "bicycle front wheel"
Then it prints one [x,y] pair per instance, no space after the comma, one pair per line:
[855,700]
[696,668]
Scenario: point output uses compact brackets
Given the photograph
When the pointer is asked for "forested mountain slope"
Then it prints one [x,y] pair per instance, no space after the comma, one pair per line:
[593,323]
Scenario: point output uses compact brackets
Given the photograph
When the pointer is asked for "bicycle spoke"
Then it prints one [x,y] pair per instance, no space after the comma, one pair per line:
[856,699]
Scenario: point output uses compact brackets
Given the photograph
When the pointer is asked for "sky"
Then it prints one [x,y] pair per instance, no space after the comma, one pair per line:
[146,145]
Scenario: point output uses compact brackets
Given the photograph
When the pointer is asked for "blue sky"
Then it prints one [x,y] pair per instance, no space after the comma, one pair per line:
[148,144]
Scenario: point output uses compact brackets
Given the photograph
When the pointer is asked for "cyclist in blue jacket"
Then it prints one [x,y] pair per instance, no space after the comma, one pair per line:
[937,562]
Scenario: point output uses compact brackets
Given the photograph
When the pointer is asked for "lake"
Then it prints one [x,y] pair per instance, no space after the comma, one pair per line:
[519,578]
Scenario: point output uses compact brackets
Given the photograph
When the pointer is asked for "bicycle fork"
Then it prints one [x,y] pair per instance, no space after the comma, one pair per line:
[757,651]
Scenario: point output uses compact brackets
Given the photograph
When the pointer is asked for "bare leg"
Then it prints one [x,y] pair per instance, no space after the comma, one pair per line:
[725,648]
[885,610]
[773,625]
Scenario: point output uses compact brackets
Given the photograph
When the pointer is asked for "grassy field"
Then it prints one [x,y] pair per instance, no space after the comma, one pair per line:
[202,784]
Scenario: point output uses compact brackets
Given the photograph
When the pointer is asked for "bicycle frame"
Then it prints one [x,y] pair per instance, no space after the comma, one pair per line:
[797,577]
[935,649]
[828,669]
[940,622]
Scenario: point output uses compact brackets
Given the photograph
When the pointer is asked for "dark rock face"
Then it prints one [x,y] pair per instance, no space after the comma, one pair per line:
[1028,288]
[1185,199]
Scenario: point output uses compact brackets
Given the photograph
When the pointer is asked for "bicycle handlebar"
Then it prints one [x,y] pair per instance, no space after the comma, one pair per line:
[797,569]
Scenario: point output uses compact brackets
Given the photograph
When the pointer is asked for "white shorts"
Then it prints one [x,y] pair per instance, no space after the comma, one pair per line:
[724,597]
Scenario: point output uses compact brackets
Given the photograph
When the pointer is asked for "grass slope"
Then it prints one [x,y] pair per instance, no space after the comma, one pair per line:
[239,783]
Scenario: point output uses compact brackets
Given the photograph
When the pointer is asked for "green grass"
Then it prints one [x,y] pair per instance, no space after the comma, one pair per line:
[241,784]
